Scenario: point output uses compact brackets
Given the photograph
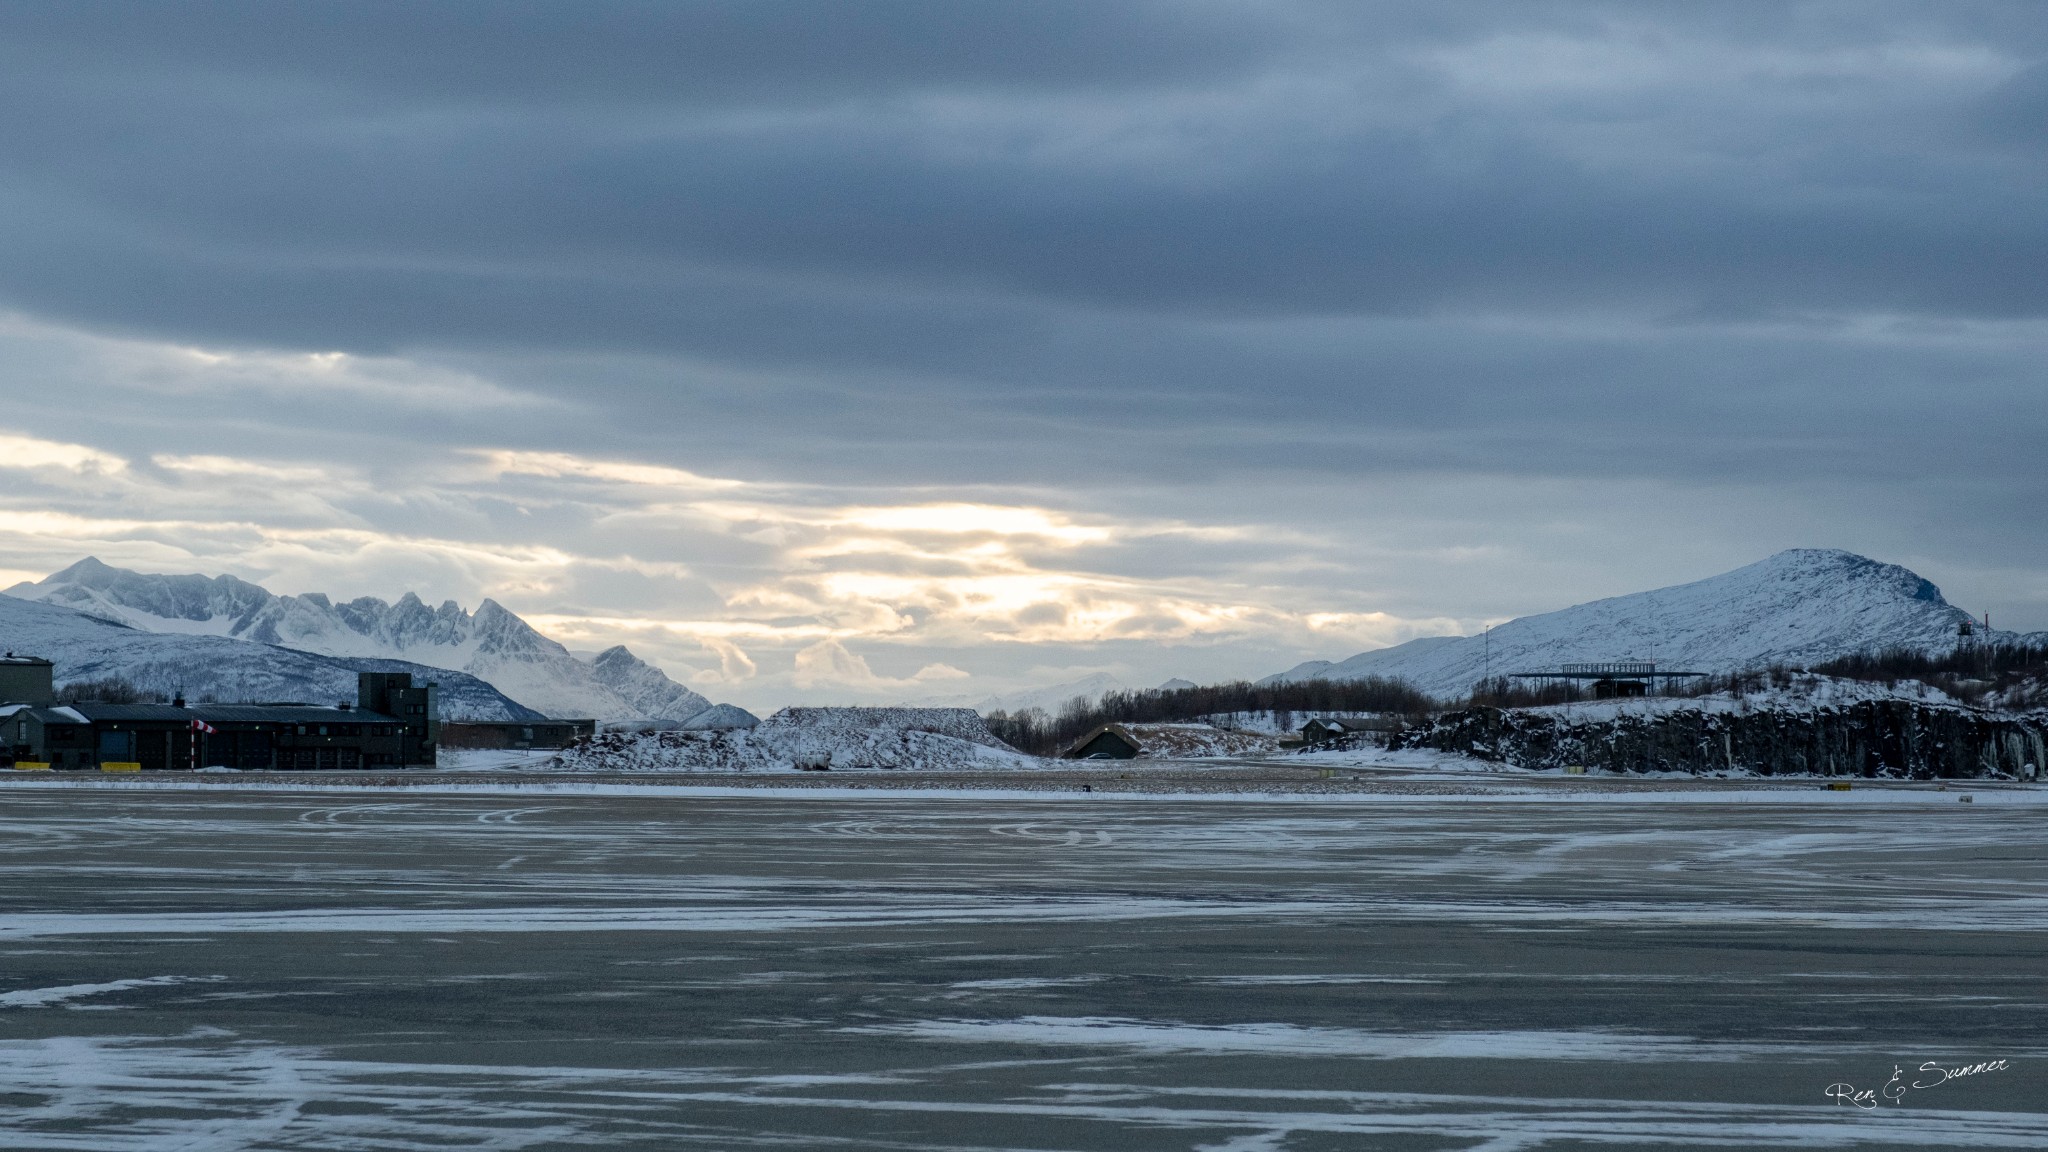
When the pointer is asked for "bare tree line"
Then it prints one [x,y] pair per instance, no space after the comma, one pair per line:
[1045,734]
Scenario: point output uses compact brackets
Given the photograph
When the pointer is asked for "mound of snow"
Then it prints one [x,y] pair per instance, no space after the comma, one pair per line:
[1196,741]
[787,747]
[959,723]
[1803,606]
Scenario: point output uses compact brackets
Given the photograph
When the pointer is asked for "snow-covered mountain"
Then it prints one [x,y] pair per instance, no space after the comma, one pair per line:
[85,647]
[645,689]
[1049,697]
[1798,607]
[492,644]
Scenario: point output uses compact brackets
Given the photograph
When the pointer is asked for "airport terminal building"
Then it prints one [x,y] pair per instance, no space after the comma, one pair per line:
[391,725]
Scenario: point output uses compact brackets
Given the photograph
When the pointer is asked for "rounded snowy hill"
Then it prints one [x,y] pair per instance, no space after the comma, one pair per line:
[1798,607]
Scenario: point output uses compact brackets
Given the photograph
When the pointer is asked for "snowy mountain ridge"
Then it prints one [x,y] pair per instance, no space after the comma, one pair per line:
[492,644]
[1799,607]
[1049,697]
[85,647]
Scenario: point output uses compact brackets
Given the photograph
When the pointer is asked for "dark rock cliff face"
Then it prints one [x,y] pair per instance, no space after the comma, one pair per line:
[1896,738]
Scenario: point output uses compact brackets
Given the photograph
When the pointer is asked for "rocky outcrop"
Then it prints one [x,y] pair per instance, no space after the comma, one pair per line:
[1893,738]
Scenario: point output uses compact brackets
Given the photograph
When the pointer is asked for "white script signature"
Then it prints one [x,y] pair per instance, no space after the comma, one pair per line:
[1932,1074]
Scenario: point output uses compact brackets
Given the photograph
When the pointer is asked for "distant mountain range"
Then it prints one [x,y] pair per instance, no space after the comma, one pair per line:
[1049,698]
[216,668]
[229,639]
[1803,606]
[492,645]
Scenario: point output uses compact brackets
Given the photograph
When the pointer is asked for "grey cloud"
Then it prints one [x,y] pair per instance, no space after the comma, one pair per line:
[1208,259]
[637,50]
[384,177]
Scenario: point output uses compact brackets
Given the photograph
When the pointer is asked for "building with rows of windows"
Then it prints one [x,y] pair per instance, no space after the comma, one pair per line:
[391,725]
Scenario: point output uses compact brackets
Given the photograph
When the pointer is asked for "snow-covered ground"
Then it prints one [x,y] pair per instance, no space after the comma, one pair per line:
[1406,760]
[493,759]
[626,966]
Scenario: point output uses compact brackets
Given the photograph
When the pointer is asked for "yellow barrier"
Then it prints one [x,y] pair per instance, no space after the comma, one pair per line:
[120,766]
[30,766]
[1839,786]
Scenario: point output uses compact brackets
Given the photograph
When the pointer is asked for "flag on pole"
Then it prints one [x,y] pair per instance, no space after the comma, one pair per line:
[203,726]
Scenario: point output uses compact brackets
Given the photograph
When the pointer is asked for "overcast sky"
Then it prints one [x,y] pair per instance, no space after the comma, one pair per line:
[847,350]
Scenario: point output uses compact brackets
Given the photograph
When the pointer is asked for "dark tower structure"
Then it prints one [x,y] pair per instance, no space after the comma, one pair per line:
[392,694]
[26,680]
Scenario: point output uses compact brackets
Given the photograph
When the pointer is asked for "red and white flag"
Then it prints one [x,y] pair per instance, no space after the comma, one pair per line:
[202,726]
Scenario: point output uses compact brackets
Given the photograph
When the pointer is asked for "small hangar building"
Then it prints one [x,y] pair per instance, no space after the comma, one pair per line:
[1109,742]
[391,725]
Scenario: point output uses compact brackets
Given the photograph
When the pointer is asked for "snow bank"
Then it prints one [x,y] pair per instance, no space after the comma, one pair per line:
[1196,741]
[837,739]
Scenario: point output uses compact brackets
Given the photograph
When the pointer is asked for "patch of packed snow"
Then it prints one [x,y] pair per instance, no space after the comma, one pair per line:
[1173,1037]
[492,759]
[65,993]
[1406,760]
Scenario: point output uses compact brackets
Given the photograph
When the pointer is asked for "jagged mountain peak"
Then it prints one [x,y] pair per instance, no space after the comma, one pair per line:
[653,693]
[1799,606]
[494,644]
[207,667]
[493,616]
[90,572]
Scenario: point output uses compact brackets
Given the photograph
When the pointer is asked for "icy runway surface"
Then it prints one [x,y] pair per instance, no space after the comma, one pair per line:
[369,971]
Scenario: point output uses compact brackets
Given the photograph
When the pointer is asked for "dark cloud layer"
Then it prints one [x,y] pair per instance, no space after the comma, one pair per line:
[1219,159]
[936,242]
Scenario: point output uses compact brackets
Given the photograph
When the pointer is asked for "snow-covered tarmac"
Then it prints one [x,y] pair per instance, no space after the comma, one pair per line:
[570,964]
